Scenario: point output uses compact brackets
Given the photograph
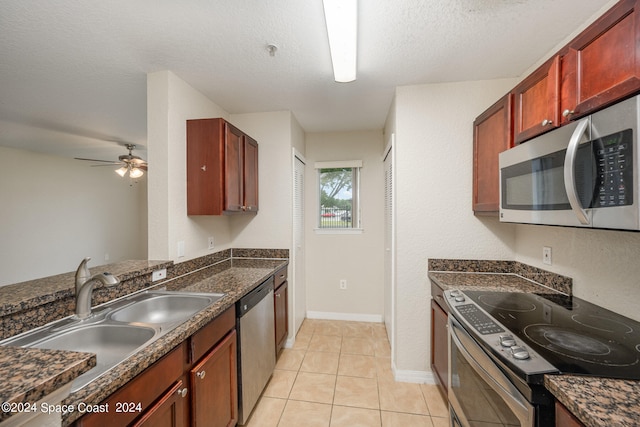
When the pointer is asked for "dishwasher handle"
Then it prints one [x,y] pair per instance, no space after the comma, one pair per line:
[250,300]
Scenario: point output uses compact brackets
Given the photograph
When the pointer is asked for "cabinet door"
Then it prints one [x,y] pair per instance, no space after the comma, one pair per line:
[603,63]
[537,101]
[492,134]
[214,386]
[281,315]
[144,389]
[234,169]
[250,174]
[169,411]
[205,167]
[439,345]
[564,418]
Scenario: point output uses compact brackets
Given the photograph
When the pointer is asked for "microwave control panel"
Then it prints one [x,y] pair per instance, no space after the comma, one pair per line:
[614,165]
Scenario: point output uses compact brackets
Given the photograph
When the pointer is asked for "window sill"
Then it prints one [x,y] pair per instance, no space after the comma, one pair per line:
[338,230]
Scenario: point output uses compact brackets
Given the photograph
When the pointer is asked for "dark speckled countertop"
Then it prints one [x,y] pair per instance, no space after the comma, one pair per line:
[597,401]
[594,401]
[36,373]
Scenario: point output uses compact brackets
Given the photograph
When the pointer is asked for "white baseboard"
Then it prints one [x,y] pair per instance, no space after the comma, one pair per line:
[417,377]
[329,315]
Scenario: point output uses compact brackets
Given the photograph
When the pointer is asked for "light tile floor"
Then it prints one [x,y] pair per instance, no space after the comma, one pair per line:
[339,375]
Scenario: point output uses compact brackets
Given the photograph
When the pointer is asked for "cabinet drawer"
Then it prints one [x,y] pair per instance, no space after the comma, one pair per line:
[208,336]
[280,277]
[143,389]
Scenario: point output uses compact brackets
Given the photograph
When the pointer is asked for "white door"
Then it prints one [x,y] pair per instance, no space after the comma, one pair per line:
[299,289]
[389,245]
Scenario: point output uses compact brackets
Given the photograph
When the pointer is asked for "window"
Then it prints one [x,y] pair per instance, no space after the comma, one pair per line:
[338,184]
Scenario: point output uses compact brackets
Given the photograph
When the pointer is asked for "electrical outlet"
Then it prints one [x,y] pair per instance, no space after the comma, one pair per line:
[210,244]
[159,275]
[180,248]
[343,283]
[546,255]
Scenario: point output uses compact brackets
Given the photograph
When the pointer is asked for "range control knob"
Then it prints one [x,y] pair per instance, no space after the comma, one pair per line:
[459,298]
[519,353]
[507,341]
[455,293]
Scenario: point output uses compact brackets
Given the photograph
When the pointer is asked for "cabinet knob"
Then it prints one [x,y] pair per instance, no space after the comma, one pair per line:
[204,167]
[547,122]
[183,392]
[201,374]
[567,113]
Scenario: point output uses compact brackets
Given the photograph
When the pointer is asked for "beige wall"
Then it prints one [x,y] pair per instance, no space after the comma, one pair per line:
[55,211]
[170,102]
[434,219]
[271,228]
[358,258]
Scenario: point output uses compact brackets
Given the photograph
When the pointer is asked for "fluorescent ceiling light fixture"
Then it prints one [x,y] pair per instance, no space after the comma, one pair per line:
[341,17]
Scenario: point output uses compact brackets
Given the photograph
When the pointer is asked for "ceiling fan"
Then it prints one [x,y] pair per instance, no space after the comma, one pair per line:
[133,165]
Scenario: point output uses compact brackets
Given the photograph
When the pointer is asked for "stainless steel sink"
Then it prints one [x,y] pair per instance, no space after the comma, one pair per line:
[117,329]
[111,344]
[164,307]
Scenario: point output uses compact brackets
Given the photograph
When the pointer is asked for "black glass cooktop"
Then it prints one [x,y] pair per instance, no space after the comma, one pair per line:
[572,334]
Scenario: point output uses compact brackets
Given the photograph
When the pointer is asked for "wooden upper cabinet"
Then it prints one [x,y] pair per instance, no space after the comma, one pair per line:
[250,174]
[492,134]
[222,169]
[537,101]
[602,64]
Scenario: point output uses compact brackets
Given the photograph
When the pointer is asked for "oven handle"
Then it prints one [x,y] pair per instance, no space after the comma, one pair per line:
[490,373]
[570,171]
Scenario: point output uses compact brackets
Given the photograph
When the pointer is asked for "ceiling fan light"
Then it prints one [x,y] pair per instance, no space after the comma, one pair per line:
[122,171]
[136,173]
[341,18]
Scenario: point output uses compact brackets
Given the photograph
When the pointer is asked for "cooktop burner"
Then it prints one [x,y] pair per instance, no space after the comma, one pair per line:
[573,335]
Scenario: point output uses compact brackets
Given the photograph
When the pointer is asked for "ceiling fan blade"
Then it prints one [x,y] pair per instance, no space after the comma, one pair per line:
[96,160]
[107,164]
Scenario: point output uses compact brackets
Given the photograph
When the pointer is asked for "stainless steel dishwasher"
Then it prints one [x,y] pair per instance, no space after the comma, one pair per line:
[256,349]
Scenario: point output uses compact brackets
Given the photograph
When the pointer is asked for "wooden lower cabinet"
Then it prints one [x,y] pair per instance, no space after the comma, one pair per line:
[281,308]
[564,418]
[439,345]
[281,316]
[195,384]
[168,411]
[214,402]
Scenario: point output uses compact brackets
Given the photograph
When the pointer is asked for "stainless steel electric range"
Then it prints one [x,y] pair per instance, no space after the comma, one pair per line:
[503,343]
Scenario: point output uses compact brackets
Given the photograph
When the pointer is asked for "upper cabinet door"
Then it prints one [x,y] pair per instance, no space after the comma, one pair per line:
[250,174]
[537,101]
[234,169]
[492,134]
[602,64]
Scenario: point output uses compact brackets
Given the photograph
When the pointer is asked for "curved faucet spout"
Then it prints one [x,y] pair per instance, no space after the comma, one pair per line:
[84,287]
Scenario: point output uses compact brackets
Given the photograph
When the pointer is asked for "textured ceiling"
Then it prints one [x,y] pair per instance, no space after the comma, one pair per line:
[73,72]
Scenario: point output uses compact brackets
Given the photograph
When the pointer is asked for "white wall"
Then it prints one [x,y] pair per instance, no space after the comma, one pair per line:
[434,218]
[55,211]
[170,102]
[357,258]
[271,228]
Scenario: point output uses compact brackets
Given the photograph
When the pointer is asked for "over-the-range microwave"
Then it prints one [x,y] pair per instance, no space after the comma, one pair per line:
[584,174]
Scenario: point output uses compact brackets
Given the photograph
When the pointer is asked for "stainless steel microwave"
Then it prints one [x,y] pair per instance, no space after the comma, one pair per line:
[584,174]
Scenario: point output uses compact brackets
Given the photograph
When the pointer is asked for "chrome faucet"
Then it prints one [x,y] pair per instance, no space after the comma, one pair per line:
[84,287]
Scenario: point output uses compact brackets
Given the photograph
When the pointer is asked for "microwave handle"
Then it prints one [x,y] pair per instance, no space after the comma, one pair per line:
[570,171]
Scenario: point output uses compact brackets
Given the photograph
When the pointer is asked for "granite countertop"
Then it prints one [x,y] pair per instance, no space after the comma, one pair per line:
[29,374]
[34,293]
[234,282]
[594,401]
[597,401]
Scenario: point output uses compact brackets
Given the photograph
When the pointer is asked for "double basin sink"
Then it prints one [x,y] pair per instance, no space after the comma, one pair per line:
[117,329]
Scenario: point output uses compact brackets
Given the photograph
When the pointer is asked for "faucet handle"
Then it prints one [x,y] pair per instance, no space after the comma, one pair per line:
[82,273]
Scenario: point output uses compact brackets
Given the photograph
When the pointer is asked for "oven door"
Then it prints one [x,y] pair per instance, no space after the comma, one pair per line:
[479,392]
